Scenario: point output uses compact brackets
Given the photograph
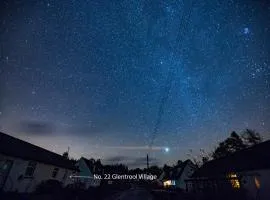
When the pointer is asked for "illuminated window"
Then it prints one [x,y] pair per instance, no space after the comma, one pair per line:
[168,183]
[257,183]
[234,180]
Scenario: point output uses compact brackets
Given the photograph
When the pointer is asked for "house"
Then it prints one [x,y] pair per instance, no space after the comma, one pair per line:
[176,176]
[87,171]
[246,171]
[23,166]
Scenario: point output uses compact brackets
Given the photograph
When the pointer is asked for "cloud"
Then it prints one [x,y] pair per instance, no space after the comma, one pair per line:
[88,128]
[153,148]
[132,161]
[141,162]
[36,127]
[82,129]
[117,159]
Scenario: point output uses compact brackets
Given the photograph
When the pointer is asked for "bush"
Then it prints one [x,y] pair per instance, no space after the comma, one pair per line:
[49,187]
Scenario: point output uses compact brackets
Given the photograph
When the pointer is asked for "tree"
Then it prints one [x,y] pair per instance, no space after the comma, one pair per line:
[65,154]
[251,137]
[179,162]
[230,145]
[155,170]
[73,160]
[166,168]
[205,159]
[236,142]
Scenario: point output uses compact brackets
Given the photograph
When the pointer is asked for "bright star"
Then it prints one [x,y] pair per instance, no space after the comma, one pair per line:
[167,149]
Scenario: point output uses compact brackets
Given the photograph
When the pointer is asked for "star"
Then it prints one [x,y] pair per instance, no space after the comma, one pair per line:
[166,149]
[134,72]
[246,31]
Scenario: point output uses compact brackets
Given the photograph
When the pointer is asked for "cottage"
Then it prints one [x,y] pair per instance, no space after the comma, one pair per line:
[177,175]
[23,165]
[87,171]
[246,171]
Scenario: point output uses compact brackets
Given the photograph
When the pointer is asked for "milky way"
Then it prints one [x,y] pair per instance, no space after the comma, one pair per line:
[91,75]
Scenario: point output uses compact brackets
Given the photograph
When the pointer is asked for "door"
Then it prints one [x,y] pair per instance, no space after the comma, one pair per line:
[5,167]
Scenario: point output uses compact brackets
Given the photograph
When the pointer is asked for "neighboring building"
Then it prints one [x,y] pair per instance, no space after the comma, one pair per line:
[177,175]
[23,165]
[87,170]
[246,171]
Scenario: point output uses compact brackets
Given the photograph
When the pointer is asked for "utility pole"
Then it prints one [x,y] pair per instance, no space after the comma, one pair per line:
[147,161]
[68,152]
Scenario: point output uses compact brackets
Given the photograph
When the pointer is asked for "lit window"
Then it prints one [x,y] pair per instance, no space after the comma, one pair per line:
[168,183]
[55,172]
[257,183]
[234,180]
[31,167]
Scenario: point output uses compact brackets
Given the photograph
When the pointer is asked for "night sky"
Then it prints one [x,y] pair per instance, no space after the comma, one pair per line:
[92,75]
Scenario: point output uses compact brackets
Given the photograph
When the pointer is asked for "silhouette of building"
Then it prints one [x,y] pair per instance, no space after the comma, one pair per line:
[89,173]
[23,165]
[246,171]
[176,176]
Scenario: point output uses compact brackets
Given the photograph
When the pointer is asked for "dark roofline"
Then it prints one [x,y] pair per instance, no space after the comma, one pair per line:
[251,158]
[87,163]
[11,146]
[28,143]
[239,152]
[183,165]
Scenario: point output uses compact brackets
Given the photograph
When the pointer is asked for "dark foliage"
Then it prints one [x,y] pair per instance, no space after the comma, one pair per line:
[237,142]
[251,137]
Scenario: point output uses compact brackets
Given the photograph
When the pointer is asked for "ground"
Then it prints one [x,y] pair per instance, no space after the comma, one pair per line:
[132,193]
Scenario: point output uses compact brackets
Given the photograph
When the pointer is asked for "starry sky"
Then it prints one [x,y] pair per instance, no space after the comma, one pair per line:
[92,75]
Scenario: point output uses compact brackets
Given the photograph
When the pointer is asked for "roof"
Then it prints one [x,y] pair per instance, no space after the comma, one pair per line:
[176,172]
[92,166]
[253,158]
[88,163]
[15,147]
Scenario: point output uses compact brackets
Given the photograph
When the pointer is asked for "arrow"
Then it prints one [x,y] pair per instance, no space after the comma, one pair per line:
[73,176]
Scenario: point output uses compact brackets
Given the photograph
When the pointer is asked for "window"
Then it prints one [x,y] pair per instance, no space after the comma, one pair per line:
[55,172]
[257,182]
[65,175]
[29,172]
[234,180]
[168,183]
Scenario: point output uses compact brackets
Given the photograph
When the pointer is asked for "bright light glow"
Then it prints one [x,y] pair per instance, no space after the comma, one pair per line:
[168,183]
[234,181]
[167,149]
